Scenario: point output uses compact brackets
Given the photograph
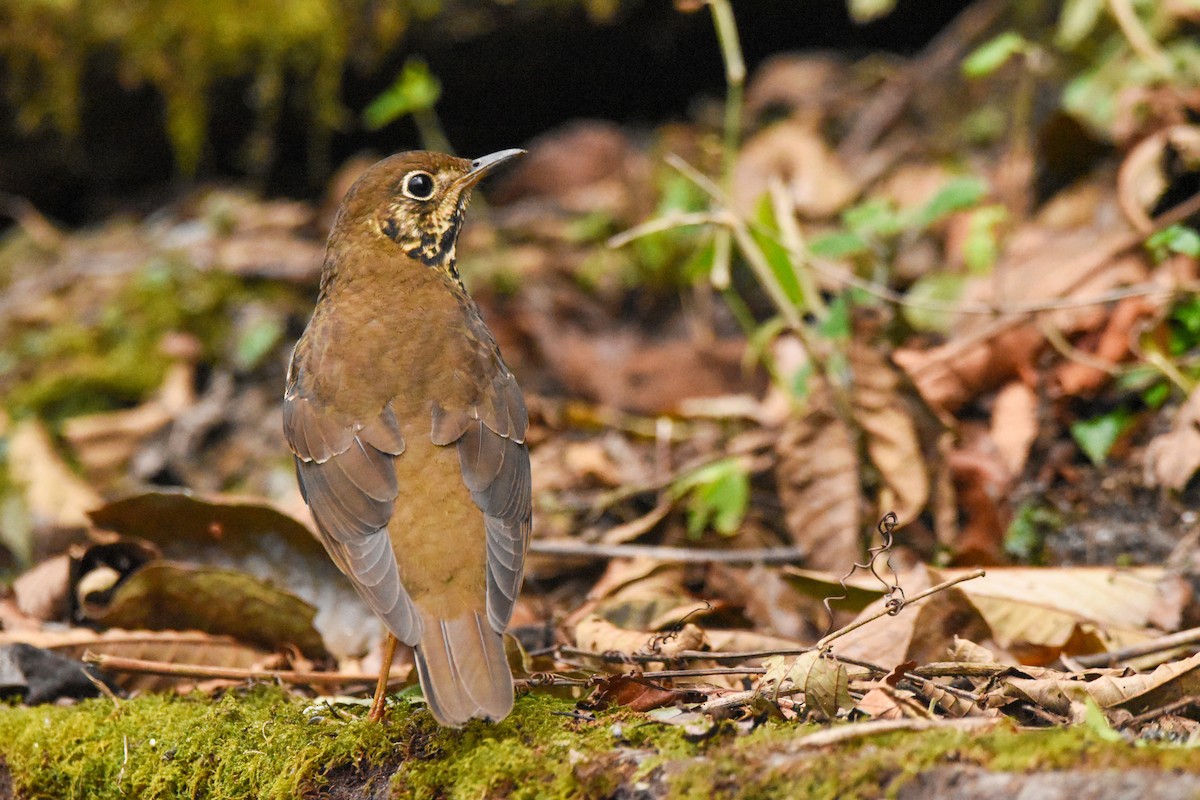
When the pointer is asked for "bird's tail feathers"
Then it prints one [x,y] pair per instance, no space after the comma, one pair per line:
[463,669]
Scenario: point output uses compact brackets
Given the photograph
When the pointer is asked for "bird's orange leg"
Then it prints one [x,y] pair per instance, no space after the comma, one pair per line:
[379,703]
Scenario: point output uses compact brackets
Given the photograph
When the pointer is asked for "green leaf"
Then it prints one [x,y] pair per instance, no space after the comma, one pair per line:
[777,256]
[415,90]
[718,496]
[982,247]
[837,325]
[957,195]
[1025,538]
[1097,436]
[993,54]
[1175,239]
[873,218]
[257,341]
[842,244]
[1077,20]
[864,11]
[1095,721]
[937,287]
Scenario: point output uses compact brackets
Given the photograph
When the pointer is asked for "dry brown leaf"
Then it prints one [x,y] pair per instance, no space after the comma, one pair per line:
[1110,689]
[638,693]
[1040,613]
[167,596]
[824,681]
[817,472]
[966,651]
[1172,458]
[1112,345]
[893,444]
[105,442]
[1141,181]
[880,703]
[981,484]
[1014,425]
[598,635]
[42,591]
[1040,265]
[741,641]
[254,537]
[921,632]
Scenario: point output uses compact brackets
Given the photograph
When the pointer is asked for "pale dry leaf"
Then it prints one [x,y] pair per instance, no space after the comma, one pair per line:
[964,651]
[1038,613]
[105,442]
[824,681]
[817,473]
[1110,689]
[880,703]
[951,703]
[860,588]
[740,640]
[816,182]
[1172,458]
[54,496]
[1014,425]
[893,444]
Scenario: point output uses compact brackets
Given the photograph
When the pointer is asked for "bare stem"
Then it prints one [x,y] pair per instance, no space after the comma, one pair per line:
[885,612]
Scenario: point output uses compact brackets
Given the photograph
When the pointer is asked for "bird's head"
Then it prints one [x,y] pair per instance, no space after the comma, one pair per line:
[415,201]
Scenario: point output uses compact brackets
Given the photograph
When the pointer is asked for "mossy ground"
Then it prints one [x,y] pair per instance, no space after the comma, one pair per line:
[263,743]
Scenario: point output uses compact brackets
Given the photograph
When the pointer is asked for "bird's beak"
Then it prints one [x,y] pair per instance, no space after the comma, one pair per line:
[485,164]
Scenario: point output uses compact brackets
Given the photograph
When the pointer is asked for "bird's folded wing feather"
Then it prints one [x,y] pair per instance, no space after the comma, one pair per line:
[348,478]
[494,459]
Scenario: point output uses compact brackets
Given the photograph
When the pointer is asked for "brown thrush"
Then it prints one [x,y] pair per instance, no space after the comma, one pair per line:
[409,433]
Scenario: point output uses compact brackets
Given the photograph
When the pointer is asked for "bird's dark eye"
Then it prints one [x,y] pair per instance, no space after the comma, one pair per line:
[418,185]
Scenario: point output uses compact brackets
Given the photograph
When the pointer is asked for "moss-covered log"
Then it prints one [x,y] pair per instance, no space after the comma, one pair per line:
[268,744]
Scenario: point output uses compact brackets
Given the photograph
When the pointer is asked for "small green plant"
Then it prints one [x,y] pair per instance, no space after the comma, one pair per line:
[718,495]
[414,93]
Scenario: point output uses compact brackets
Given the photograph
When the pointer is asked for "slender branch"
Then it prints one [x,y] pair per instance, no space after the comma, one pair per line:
[885,612]
[145,667]
[680,555]
[1162,643]
[1139,39]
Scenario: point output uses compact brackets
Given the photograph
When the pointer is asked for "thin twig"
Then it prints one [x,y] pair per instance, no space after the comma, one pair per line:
[858,730]
[858,623]
[679,555]
[1162,643]
[1139,39]
[205,672]
[1162,711]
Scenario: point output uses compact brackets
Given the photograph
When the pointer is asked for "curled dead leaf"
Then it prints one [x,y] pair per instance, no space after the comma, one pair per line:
[169,596]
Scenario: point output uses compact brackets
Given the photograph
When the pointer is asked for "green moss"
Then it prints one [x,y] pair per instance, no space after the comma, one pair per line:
[265,744]
[96,356]
[183,48]
[258,745]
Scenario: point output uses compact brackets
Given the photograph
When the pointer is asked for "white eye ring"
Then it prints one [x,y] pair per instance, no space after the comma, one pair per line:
[418,185]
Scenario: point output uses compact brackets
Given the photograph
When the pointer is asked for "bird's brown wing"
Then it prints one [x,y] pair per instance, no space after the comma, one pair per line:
[348,478]
[490,437]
